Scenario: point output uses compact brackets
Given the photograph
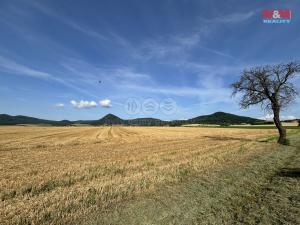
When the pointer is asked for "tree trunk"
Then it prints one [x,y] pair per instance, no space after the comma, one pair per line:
[281,129]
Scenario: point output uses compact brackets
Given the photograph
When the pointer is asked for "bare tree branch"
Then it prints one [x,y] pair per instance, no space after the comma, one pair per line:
[269,86]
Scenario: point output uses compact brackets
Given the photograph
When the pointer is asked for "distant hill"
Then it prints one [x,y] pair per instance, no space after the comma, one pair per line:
[220,118]
[14,120]
[223,118]
[146,122]
[109,119]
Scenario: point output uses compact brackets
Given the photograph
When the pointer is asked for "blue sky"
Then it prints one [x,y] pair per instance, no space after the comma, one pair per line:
[54,53]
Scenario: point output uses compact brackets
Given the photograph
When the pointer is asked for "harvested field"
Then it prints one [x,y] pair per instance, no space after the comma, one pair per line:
[60,175]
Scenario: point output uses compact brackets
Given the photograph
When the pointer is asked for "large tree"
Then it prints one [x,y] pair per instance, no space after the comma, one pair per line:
[270,86]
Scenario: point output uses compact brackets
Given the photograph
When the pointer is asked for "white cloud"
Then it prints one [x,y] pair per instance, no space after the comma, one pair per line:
[288,117]
[269,117]
[59,105]
[105,103]
[83,104]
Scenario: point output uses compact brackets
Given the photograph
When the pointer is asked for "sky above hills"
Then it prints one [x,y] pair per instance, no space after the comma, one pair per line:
[84,59]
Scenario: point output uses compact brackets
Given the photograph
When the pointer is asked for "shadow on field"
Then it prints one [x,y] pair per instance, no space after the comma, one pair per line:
[222,138]
[289,172]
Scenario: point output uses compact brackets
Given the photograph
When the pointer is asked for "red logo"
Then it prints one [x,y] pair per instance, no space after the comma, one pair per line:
[277,16]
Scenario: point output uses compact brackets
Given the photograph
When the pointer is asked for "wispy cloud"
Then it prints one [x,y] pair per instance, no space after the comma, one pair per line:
[10,66]
[83,104]
[219,53]
[179,45]
[172,46]
[231,18]
[204,95]
[178,48]
[59,105]
[76,26]
[92,74]
[127,80]
[175,46]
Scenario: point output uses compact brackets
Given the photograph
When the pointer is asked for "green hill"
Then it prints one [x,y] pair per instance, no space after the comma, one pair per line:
[109,119]
[223,118]
[146,122]
[220,118]
[14,120]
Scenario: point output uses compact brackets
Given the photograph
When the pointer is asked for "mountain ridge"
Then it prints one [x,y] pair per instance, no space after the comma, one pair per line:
[220,118]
